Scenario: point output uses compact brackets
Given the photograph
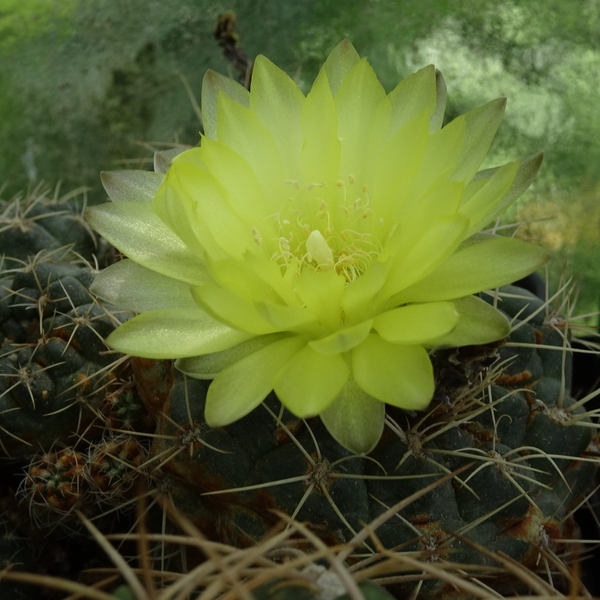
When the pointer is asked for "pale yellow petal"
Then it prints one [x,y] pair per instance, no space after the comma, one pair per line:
[277,101]
[342,340]
[416,323]
[478,323]
[491,262]
[397,374]
[356,102]
[244,132]
[481,125]
[310,381]
[131,185]
[322,147]
[174,333]
[136,230]
[240,388]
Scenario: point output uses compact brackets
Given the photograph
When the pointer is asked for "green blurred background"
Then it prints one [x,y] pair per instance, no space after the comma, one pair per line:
[87,85]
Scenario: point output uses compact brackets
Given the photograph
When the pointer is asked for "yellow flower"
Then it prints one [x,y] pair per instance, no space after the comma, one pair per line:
[317,246]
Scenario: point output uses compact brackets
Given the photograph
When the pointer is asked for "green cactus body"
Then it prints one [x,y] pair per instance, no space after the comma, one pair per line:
[39,223]
[54,368]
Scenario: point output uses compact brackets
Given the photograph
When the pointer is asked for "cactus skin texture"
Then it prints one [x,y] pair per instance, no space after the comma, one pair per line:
[54,368]
[93,425]
[43,223]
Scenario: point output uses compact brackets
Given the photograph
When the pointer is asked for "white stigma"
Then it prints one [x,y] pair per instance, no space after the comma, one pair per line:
[321,253]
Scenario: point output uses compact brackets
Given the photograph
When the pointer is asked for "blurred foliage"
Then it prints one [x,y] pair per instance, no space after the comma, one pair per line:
[21,21]
[87,85]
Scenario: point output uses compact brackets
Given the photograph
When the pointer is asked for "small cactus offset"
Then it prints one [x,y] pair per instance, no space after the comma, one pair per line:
[461,482]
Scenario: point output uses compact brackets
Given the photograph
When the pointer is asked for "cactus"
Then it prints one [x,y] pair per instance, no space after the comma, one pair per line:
[38,222]
[504,417]
[93,425]
[54,368]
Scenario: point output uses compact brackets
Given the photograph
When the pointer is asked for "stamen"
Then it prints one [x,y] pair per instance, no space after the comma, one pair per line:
[313,235]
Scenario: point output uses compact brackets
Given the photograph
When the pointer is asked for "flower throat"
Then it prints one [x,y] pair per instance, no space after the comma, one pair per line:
[321,231]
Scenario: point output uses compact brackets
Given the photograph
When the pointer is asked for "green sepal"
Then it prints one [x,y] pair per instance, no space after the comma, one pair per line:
[212,85]
[174,333]
[135,230]
[208,366]
[339,63]
[131,185]
[355,419]
[469,269]
[478,323]
[138,289]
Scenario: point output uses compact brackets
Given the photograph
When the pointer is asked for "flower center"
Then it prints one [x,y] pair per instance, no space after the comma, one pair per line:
[324,228]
